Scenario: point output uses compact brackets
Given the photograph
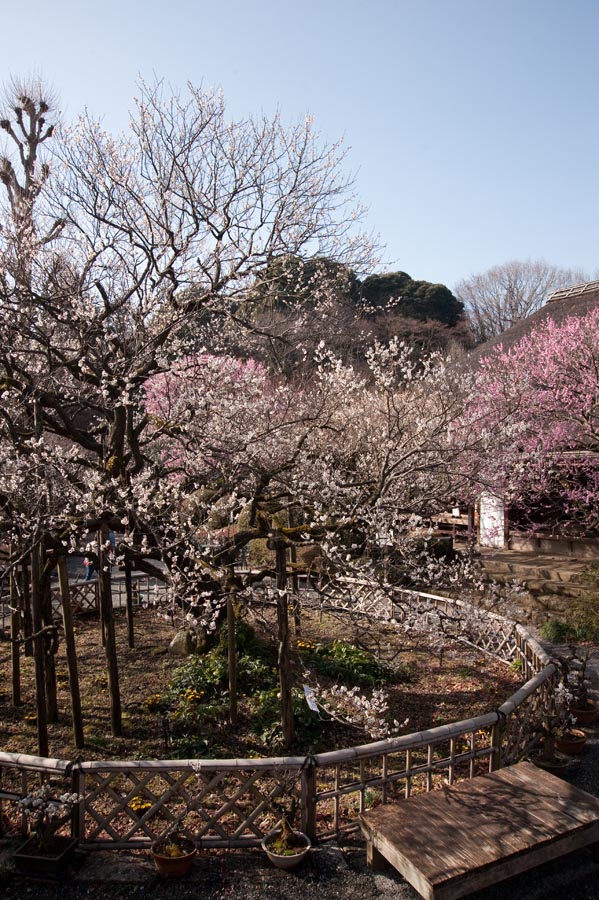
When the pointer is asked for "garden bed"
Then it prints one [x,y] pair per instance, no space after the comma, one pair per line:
[425,691]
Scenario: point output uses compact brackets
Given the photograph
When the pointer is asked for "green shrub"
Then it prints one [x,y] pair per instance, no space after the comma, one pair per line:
[349,664]
[582,615]
[311,728]
[556,631]
[208,672]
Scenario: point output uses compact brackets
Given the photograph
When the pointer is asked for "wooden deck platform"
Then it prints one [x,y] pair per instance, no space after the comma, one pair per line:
[451,842]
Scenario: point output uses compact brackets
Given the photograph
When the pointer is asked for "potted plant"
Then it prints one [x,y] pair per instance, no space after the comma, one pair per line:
[285,846]
[45,852]
[569,739]
[560,739]
[550,760]
[173,853]
[574,668]
[546,756]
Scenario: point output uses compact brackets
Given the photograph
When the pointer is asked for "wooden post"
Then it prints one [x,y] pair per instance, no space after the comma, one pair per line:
[232,659]
[79,788]
[297,620]
[283,637]
[296,607]
[38,651]
[69,636]
[15,630]
[129,605]
[99,567]
[308,797]
[109,639]
[27,614]
[50,643]
[496,737]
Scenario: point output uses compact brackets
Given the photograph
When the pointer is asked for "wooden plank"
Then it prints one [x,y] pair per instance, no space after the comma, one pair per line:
[515,865]
[534,794]
[445,841]
[437,821]
[527,773]
[449,842]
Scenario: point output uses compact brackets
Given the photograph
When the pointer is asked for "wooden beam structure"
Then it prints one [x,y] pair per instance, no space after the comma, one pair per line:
[451,842]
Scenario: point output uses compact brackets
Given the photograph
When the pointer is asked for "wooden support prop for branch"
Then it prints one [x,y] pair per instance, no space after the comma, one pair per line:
[283,637]
[38,651]
[27,614]
[108,632]
[129,605]
[232,659]
[15,650]
[297,620]
[69,635]
[50,645]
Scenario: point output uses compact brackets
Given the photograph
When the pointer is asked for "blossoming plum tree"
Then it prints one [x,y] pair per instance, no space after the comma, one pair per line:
[120,274]
[346,462]
[535,411]
[118,255]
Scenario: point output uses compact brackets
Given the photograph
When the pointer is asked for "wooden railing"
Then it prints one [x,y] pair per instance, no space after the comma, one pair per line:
[233,803]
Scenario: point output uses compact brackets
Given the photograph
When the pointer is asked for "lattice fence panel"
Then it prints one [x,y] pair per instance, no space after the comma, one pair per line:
[215,807]
[462,621]
[523,727]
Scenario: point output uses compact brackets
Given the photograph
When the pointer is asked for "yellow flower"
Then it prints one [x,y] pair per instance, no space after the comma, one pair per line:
[139,804]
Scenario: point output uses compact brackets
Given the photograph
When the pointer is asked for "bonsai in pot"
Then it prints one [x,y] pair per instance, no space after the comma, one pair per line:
[569,739]
[574,668]
[546,756]
[286,846]
[559,736]
[45,852]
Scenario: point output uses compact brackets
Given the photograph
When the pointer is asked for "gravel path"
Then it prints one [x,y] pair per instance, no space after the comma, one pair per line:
[332,872]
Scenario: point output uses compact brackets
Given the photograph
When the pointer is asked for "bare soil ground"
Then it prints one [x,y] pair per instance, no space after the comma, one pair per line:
[463,684]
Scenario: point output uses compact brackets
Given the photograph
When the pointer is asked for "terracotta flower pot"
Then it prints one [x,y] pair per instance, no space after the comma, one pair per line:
[291,858]
[586,713]
[571,742]
[555,764]
[170,864]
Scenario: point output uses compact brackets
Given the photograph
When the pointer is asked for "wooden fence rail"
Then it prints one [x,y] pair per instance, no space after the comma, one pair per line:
[233,803]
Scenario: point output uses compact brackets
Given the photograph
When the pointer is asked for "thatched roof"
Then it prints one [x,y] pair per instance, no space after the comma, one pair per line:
[577,300]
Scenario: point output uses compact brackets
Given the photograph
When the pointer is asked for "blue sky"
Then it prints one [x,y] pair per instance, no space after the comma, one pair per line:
[473,124]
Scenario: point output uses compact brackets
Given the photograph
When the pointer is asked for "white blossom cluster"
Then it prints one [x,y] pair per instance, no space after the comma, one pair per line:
[369,714]
[44,808]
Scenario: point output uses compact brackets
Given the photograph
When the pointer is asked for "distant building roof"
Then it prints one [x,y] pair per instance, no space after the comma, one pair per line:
[577,300]
[575,290]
